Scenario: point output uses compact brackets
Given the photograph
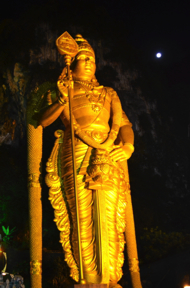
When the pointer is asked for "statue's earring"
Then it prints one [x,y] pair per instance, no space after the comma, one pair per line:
[94,80]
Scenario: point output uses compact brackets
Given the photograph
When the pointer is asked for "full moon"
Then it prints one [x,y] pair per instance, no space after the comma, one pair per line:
[158,55]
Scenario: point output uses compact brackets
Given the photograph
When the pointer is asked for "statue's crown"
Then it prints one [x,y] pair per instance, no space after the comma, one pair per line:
[83,44]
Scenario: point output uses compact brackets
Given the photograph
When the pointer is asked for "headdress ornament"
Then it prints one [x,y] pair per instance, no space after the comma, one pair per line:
[83,44]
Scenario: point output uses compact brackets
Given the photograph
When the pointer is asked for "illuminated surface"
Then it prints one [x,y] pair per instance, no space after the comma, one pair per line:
[103,190]
[158,55]
[34,154]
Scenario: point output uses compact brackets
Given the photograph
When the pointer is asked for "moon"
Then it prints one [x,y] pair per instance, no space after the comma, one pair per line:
[158,55]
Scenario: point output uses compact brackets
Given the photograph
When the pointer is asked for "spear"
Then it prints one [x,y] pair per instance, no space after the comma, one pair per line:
[68,47]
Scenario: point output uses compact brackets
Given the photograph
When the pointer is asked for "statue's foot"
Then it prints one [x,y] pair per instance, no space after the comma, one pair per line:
[114,285]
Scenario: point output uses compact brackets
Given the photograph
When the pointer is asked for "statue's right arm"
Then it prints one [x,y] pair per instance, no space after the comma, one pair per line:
[48,115]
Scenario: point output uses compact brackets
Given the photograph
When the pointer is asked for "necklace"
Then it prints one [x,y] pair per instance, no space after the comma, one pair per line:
[88,84]
[116,120]
[96,99]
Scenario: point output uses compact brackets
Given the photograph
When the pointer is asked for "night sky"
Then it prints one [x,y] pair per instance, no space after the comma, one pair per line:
[150,25]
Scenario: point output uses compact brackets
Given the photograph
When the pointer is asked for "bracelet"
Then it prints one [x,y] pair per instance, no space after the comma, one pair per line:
[62,102]
[130,146]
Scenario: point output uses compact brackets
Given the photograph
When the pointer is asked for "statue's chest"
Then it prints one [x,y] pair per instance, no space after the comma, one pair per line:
[89,106]
[89,99]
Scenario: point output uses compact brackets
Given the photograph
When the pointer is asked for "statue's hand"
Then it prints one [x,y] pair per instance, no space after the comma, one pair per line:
[122,153]
[63,85]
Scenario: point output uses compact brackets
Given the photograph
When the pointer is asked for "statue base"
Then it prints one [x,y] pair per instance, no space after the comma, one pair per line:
[90,285]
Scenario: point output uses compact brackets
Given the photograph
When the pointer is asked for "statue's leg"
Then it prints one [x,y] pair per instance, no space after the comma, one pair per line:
[111,205]
[85,208]
[115,209]
[108,219]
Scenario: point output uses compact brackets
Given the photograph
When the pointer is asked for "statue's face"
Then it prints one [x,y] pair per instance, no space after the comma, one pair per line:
[85,66]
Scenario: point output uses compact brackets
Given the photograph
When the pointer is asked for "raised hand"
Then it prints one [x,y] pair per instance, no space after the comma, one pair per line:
[63,84]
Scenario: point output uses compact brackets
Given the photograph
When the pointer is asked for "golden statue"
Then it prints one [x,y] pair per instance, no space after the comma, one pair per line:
[87,171]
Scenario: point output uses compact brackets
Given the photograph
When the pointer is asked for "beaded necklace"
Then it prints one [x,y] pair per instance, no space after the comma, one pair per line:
[85,84]
[97,101]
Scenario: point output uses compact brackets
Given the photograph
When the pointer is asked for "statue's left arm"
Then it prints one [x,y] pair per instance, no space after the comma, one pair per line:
[126,136]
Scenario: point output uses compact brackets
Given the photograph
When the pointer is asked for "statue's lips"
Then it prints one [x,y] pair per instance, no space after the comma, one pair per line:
[88,68]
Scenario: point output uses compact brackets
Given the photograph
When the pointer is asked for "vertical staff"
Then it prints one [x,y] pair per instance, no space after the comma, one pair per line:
[67,59]
[68,47]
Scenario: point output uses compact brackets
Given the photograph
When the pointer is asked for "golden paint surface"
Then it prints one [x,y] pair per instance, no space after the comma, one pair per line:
[36,267]
[101,151]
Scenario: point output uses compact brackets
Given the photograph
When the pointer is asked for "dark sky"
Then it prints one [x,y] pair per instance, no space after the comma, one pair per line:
[151,26]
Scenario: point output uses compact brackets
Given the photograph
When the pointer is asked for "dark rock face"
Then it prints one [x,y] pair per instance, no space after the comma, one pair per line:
[157,168]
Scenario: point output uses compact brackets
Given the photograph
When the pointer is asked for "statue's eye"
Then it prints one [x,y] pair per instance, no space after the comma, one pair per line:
[90,58]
